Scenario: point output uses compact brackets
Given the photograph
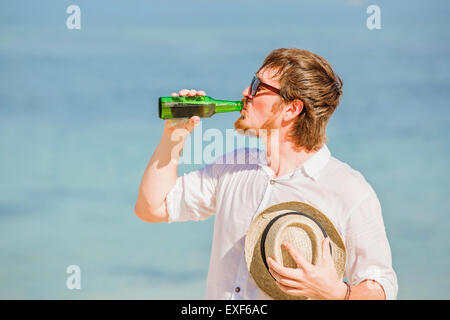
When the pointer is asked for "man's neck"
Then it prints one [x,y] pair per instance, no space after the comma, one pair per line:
[283,158]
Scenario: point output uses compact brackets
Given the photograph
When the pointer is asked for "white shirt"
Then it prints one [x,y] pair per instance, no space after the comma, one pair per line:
[237,192]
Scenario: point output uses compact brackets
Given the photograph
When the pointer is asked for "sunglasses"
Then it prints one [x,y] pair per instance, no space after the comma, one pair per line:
[256,83]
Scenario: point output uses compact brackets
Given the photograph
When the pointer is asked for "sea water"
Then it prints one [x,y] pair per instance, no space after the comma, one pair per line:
[78,124]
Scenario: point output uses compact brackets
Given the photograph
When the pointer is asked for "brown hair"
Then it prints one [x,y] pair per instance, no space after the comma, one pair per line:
[306,76]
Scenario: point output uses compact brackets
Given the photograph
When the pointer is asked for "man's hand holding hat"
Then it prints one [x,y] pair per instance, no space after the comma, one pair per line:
[318,281]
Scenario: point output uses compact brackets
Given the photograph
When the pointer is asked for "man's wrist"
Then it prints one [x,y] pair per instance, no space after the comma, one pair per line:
[340,292]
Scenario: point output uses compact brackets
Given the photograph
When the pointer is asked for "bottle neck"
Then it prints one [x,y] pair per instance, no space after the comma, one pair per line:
[228,106]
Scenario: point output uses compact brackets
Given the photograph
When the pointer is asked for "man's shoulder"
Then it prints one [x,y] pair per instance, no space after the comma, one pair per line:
[347,178]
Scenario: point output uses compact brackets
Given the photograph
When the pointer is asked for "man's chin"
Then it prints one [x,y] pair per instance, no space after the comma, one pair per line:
[242,128]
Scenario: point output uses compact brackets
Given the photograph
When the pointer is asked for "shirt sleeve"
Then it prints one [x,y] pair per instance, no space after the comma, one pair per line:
[368,250]
[194,196]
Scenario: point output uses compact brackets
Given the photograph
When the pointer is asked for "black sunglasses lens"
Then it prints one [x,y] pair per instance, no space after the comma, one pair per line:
[250,89]
[254,86]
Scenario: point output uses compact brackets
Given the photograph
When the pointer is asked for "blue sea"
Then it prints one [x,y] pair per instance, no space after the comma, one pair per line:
[78,125]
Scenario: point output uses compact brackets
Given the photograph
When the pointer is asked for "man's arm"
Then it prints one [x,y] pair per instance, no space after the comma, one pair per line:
[320,281]
[161,172]
[367,290]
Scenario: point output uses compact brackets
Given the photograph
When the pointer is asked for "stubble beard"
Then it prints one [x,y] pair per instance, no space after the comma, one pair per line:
[267,127]
[242,128]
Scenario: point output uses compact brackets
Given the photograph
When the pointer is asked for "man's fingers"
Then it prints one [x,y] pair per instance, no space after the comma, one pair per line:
[183,92]
[284,281]
[301,262]
[195,120]
[281,270]
[192,123]
[189,93]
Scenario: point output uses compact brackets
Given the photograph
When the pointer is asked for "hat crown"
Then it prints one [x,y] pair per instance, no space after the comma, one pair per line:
[301,231]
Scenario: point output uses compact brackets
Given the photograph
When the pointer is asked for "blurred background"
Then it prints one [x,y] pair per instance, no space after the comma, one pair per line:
[78,125]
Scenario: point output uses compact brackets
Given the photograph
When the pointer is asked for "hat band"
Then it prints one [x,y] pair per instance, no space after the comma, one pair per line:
[269,225]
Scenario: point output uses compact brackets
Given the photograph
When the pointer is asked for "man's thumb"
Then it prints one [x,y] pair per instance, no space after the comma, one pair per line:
[193,122]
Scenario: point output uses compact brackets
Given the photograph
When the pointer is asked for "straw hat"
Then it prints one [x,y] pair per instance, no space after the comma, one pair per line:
[301,225]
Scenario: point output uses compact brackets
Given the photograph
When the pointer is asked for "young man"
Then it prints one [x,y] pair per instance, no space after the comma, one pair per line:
[288,105]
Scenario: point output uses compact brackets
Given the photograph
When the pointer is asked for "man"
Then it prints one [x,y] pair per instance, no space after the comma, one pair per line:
[288,105]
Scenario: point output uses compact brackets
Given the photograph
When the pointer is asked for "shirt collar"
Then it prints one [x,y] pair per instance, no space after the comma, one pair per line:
[317,162]
[310,168]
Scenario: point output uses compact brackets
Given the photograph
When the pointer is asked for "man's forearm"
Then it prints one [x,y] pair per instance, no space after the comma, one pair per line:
[160,176]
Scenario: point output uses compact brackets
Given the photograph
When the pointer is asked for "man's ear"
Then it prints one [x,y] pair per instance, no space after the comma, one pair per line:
[293,109]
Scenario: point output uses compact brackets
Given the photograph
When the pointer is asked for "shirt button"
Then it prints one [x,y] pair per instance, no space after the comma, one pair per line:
[237,289]
[272,181]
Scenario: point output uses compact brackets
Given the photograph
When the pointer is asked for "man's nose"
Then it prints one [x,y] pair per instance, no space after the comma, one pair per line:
[245,92]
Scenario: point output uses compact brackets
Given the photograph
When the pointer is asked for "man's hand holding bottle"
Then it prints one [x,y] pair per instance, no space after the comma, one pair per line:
[185,123]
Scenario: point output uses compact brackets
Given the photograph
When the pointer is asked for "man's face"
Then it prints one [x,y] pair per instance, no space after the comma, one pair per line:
[260,111]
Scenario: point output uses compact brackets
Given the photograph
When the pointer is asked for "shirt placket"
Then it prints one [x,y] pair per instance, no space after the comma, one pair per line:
[240,286]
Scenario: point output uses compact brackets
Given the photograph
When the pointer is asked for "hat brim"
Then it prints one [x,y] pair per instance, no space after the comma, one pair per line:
[254,260]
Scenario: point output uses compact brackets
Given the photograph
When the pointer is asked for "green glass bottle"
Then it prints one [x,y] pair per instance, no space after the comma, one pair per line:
[202,106]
